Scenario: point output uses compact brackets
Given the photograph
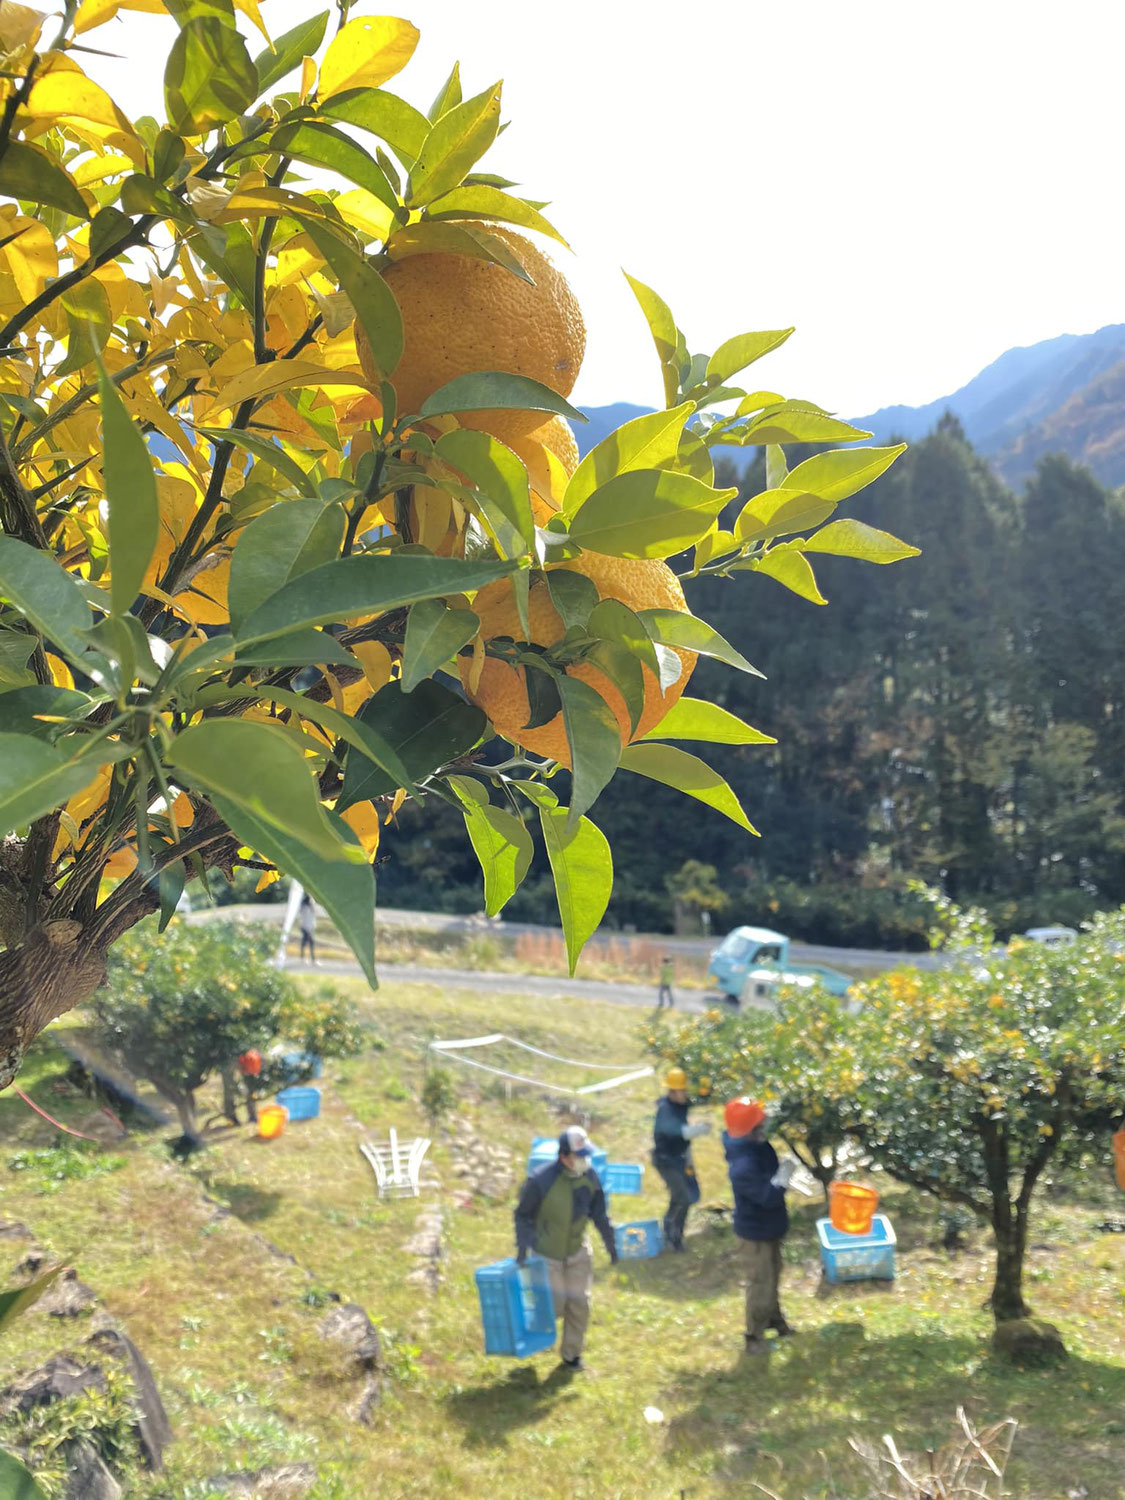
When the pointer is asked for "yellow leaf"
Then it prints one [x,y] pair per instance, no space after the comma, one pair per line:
[65,93]
[31,257]
[19,26]
[249,8]
[282,375]
[365,53]
[60,672]
[375,660]
[93,13]
[267,879]
[396,802]
[98,168]
[308,77]
[363,820]
[362,210]
[262,202]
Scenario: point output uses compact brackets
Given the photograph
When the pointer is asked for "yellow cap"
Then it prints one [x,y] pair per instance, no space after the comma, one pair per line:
[675,1078]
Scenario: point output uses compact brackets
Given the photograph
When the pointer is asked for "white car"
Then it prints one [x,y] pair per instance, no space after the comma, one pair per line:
[1052,937]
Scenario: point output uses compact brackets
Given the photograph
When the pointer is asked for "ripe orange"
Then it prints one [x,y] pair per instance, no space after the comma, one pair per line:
[501,690]
[461,315]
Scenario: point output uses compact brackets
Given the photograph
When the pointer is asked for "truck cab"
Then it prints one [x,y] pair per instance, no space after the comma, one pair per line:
[751,962]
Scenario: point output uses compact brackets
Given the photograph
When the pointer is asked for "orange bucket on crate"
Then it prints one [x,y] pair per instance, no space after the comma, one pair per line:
[851,1208]
[271,1121]
[1119,1158]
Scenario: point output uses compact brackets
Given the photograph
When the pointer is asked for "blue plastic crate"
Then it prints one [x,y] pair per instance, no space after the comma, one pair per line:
[623,1177]
[516,1307]
[545,1148]
[857,1257]
[639,1241]
[302,1103]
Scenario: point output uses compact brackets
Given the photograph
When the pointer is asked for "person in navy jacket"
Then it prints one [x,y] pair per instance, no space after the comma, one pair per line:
[761,1220]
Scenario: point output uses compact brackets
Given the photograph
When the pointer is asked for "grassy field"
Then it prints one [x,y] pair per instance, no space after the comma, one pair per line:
[188,1258]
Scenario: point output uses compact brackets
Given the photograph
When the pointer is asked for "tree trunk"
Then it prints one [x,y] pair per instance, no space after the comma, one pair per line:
[51,971]
[230,1095]
[1011,1242]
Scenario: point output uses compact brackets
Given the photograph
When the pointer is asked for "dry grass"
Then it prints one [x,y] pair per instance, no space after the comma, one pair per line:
[228,1326]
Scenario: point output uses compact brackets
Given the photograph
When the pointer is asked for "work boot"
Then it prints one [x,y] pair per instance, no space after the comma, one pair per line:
[756,1345]
[783,1329]
[574,1364]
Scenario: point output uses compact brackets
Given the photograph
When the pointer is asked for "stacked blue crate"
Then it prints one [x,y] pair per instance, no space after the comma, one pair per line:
[857,1257]
[302,1103]
[623,1177]
[639,1241]
[516,1307]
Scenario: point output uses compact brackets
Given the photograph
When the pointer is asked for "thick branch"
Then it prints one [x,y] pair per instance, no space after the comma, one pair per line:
[55,968]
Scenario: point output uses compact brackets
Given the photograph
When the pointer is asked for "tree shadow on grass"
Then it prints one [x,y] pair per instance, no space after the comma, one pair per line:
[491,1414]
[249,1203]
[785,1419]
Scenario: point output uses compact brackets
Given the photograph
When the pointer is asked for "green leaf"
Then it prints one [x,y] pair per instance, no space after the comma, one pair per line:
[107,227]
[855,539]
[496,472]
[16,1481]
[170,884]
[301,648]
[386,115]
[613,621]
[777,466]
[623,669]
[357,732]
[44,593]
[792,422]
[430,238]
[582,866]
[694,457]
[573,595]
[36,778]
[365,585]
[496,390]
[285,541]
[696,719]
[673,627]
[742,350]
[16,650]
[209,78]
[34,176]
[167,154]
[775,512]
[688,774]
[323,145]
[434,634]
[346,889]
[427,728]
[665,335]
[455,143]
[89,324]
[264,448]
[254,766]
[647,513]
[790,568]
[17,1300]
[288,50]
[483,202]
[130,492]
[844,471]
[500,841]
[648,442]
[448,96]
[369,294]
[21,708]
[594,737]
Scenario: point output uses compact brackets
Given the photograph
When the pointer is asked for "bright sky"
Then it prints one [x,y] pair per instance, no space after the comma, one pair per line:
[916,186]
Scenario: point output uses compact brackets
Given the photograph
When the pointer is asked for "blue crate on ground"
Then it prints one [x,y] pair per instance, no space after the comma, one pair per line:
[639,1241]
[857,1257]
[516,1307]
[302,1103]
[623,1177]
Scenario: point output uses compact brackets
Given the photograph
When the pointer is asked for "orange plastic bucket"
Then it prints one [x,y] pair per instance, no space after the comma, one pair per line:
[851,1208]
[271,1121]
[1119,1158]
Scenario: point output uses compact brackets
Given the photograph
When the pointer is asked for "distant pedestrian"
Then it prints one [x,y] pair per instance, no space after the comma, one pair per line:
[761,1220]
[667,974]
[306,921]
[672,1136]
[556,1204]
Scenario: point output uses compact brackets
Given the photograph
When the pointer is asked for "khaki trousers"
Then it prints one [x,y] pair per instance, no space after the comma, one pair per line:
[572,1286]
[761,1265]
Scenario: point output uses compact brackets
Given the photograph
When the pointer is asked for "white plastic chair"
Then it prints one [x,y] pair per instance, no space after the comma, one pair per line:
[396,1167]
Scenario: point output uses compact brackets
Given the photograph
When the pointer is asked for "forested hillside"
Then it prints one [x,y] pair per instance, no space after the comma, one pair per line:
[960,719]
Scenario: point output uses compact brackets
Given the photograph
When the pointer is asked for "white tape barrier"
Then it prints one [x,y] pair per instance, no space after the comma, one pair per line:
[453,1050]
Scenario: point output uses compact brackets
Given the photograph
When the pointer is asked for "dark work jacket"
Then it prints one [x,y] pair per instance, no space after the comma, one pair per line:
[669,1149]
[759,1207]
[589,1203]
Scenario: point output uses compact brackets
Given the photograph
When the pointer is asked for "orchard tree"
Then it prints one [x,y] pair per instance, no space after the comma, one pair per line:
[972,1082]
[182,1010]
[293,519]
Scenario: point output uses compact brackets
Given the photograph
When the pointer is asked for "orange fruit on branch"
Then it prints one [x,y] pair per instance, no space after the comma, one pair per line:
[461,315]
[501,689]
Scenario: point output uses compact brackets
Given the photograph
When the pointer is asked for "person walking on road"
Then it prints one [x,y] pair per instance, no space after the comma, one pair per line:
[306,921]
[556,1204]
[667,973]
[672,1136]
[761,1219]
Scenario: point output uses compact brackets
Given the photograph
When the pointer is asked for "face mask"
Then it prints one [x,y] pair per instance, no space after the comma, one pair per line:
[580,1168]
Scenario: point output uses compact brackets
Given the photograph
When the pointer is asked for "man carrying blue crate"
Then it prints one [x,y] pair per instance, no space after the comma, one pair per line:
[761,1219]
[672,1136]
[556,1204]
